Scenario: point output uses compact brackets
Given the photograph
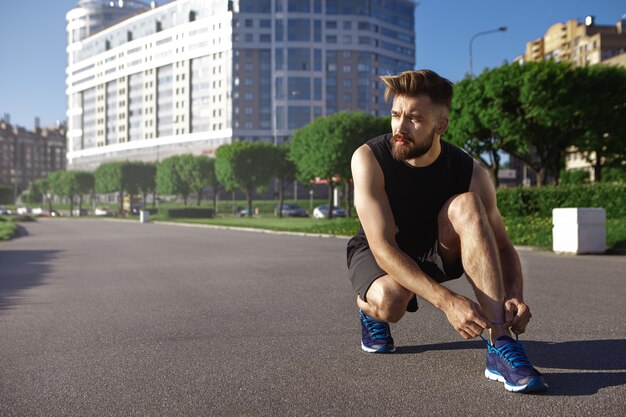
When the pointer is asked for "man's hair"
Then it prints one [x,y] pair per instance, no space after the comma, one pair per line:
[418,82]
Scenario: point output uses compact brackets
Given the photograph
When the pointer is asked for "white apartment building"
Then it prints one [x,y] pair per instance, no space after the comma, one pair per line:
[145,82]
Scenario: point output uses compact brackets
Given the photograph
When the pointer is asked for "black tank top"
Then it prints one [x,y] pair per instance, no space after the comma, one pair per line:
[416,195]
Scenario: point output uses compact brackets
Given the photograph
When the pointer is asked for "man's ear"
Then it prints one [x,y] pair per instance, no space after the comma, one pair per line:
[442,125]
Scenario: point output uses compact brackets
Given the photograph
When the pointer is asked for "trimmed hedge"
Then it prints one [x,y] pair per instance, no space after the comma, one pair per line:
[189,213]
[522,201]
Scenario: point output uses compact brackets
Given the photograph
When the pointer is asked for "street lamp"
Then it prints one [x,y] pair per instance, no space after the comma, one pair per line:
[500,29]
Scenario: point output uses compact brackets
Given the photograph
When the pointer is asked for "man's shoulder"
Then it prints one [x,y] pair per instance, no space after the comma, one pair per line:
[381,141]
[455,151]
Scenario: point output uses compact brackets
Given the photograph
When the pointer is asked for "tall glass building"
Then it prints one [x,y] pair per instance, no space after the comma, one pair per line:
[146,82]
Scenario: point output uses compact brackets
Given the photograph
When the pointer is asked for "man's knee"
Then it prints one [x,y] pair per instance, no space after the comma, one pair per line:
[388,300]
[467,210]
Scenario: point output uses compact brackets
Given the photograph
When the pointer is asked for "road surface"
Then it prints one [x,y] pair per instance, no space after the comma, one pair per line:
[103,318]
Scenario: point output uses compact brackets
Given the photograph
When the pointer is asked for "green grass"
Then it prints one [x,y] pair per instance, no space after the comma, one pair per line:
[533,231]
[8,228]
[537,232]
[340,226]
[524,231]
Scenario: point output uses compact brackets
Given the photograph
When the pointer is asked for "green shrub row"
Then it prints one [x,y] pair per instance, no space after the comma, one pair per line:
[189,213]
[522,201]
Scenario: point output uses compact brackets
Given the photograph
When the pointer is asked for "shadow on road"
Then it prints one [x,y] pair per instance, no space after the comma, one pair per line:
[20,270]
[598,363]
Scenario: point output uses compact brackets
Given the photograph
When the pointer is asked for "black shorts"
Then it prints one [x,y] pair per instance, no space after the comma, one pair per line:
[364,270]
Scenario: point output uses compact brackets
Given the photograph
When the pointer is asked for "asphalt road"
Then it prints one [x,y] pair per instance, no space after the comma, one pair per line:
[103,318]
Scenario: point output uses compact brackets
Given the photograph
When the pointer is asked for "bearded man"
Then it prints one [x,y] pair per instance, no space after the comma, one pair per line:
[428,214]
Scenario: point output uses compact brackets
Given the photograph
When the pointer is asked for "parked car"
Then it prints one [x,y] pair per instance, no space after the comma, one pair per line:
[4,210]
[101,211]
[44,212]
[292,210]
[321,212]
[24,210]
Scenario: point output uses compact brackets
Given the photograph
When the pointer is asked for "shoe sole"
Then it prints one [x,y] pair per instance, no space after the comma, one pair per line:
[379,350]
[534,385]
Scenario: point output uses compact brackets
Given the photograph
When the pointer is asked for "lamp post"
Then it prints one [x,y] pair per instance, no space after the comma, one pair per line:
[500,29]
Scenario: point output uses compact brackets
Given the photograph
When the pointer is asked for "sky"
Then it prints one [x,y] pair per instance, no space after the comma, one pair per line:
[33,40]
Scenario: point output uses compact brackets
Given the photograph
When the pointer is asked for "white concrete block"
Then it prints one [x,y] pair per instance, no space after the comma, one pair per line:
[579,230]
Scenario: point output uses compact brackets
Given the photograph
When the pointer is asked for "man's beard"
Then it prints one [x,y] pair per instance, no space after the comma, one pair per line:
[412,150]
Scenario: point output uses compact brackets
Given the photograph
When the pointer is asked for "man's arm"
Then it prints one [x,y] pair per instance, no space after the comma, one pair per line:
[517,313]
[377,219]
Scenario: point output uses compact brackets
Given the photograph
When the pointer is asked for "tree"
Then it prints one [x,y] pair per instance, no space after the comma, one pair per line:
[177,175]
[213,181]
[202,175]
[83,183]
[531,111]
[59,186]
[323,148]
[552,110]
[245,165]
[603,138]
[147,180]
[68,184]
[474,113]
[36,191]
[109,178]
[285,171]
[139,177]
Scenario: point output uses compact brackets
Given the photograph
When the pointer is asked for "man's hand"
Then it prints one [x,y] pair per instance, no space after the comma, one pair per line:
[517,315]
[465,316]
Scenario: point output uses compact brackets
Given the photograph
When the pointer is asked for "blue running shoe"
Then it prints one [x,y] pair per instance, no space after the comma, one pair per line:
[375,335]
[507,363]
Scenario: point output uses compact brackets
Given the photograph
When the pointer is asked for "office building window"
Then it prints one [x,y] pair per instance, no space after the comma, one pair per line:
[89,119]
[317,30]
[111,112]
[299,59]
[201,94]
[135,106]
[317,88]
[279,28]
[164,101]
[302,6]
[298,116]
[299,88]
[299,30]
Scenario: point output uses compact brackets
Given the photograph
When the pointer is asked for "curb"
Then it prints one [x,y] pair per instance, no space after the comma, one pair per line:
[252,229]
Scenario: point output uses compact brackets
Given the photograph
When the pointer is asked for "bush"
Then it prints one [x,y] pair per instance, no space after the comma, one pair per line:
[613,174]
[520,202]
[189,213]
[8,229]
[575,176]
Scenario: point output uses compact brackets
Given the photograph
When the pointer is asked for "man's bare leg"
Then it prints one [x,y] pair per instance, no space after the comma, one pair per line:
[465,233]
[386,300]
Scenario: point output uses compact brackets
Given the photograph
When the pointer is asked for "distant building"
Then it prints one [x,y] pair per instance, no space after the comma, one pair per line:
[582,43]
[26,155]
[190,75]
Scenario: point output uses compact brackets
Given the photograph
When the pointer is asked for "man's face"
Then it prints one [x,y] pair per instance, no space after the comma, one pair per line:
[415,123]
